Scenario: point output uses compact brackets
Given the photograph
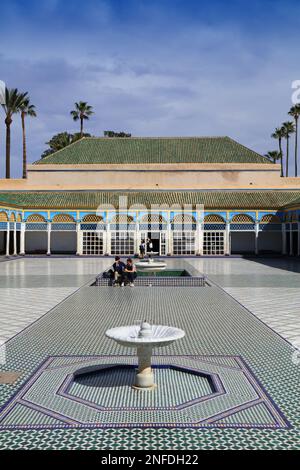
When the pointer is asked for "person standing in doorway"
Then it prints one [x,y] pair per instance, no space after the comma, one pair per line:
[142,249]
[150,246]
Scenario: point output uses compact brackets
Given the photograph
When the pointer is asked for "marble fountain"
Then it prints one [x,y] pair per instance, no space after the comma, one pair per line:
[144,338]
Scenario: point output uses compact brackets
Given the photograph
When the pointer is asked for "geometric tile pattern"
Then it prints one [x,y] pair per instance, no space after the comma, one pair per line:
[91,392]
[21,307]
[215,324]
[30,287]
[269,288]
[278,308]
[159,281]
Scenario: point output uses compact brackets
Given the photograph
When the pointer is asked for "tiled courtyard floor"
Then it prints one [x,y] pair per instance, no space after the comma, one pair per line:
[221,336]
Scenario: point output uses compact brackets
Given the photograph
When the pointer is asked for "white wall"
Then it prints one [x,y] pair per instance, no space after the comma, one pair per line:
[242,242]
[63,242]
[270,242]
[35,242]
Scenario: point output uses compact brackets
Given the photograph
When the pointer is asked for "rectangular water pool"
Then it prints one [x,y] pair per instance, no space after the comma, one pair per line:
[166,273]
[167,278]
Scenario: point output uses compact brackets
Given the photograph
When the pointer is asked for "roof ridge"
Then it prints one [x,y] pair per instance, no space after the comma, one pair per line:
[57,151]
[156,137]
[179,149]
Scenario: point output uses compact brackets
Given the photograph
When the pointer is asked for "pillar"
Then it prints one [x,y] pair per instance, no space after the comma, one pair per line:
[256,237]
[22,239]
[169,244]
[283,250]
[291,239]
[108,240]
[7,238]
[79,240]
[227,238]
[15,239]
[199,246]
[137,238]
[48,239]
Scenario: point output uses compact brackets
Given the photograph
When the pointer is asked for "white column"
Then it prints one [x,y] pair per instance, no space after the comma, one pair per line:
[105,246]
[283,251]
[256,236]
[22,239]
[48,239]
[169,237]
[15,239]
[108,240]
[78,236]
[7,239]
[291,239]
[137,239]
[227,238]
[199,246]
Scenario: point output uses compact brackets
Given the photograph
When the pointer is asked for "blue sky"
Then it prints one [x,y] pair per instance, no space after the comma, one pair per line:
[152,68]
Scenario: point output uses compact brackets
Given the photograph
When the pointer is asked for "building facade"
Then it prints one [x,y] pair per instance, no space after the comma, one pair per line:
[190,196]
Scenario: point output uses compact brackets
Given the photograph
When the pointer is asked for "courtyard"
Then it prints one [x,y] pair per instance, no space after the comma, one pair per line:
[231,383]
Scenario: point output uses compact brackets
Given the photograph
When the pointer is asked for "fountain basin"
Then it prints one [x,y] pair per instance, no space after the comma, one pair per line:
[144,338]
[150,265]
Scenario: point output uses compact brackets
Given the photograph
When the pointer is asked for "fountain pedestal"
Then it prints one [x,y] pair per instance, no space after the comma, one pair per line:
[144,377]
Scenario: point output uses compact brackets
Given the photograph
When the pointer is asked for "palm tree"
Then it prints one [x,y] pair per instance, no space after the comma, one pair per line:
[13,101]
[288,129]
[273,155]
[295,112]
[82,111]
[26,109]
[279,134]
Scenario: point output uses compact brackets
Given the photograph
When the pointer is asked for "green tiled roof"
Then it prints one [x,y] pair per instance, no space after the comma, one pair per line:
[154,150]
[91,200]
[294,203]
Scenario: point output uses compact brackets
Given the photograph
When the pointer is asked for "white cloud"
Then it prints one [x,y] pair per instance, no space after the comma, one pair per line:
[195,80]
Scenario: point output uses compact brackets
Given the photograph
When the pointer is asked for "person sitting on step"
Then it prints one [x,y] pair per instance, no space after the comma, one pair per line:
[118,271]
[130,272]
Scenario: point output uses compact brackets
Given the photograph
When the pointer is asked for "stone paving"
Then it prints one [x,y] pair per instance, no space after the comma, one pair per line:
[269,288]
[30,287]
[217,327]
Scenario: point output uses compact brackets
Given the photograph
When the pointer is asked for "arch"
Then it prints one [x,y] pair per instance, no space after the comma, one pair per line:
[12,217]
[184,219]
[294,217]
[287,217]
[63,219]
[213,219]
[93,218]
[242,219]
[270,219]
[153,219]
[122,219]
[3,217]
[36,218]
[19,218]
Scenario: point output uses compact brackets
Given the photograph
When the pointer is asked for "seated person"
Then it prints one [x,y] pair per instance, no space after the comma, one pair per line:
[118,271]
[130,272]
